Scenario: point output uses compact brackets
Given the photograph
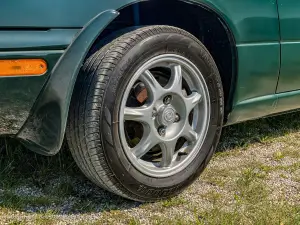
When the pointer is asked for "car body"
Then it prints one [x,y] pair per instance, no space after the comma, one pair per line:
[255,45]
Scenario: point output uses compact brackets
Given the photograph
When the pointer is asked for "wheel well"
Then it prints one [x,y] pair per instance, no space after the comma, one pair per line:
[199,20]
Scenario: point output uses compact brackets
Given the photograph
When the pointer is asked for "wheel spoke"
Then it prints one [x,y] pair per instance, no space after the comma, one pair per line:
[192,100]
[184,150]
[140,114]
[148,141]
[151,83]
[175,83]
[190,134]
[168,150]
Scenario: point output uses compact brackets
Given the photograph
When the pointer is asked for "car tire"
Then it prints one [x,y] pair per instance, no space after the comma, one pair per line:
[109,135]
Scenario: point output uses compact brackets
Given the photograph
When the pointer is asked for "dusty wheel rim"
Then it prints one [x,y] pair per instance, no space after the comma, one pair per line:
[176,112]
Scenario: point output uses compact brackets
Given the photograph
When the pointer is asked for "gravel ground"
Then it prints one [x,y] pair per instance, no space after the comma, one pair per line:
[254,178]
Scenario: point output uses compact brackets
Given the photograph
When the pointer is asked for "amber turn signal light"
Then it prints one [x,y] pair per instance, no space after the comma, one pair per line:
[22,67]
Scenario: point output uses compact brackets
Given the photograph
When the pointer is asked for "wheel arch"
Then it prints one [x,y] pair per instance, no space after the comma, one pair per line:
[205,21]
[44,130]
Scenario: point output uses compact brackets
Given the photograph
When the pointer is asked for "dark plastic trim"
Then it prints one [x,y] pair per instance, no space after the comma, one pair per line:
[43,131]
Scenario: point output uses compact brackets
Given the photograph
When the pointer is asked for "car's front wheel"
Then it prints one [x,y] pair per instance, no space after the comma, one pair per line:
[146,113]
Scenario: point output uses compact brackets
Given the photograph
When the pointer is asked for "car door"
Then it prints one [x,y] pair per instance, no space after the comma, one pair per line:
[289,15]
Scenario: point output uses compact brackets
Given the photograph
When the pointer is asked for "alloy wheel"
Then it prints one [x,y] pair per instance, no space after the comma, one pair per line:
[164,115]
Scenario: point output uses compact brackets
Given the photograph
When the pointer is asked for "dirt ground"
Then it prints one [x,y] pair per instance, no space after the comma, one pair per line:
[254,178]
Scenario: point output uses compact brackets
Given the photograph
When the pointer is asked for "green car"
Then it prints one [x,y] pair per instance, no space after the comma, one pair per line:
[142,89]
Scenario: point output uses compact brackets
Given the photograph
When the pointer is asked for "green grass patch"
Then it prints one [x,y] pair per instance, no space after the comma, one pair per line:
[17,222]
[173,202]
[10,200]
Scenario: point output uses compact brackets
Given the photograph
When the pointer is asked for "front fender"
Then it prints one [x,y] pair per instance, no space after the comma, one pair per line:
[43,131]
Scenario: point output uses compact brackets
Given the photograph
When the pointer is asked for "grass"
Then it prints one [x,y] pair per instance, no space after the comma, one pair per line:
[173,202]
[254,178]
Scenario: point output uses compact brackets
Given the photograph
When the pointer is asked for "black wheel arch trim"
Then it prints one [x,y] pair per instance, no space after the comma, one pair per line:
[44,129]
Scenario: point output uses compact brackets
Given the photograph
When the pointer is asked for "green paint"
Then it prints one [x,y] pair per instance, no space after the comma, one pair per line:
[52,39]
[54,13]
[249,20]
[252,109]
[290,67]
[288,101]
[290,43]
[265,106]
[289,19]
[258,70]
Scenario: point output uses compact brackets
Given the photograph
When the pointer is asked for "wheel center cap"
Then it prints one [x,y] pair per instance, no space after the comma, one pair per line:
[167,116]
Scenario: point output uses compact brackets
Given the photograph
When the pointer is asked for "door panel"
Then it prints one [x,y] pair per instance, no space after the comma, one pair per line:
[258,70]
[289,79]
[289,19]
[290,45]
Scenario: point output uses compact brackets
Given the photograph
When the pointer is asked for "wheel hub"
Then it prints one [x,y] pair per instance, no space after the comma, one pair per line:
[166,116]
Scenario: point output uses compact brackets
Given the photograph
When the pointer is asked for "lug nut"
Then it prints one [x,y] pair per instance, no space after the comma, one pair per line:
[167,100]
[177,118]
[162,131]
[154,113]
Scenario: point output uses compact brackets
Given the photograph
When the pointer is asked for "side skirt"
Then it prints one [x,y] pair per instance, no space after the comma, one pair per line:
[264,106]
